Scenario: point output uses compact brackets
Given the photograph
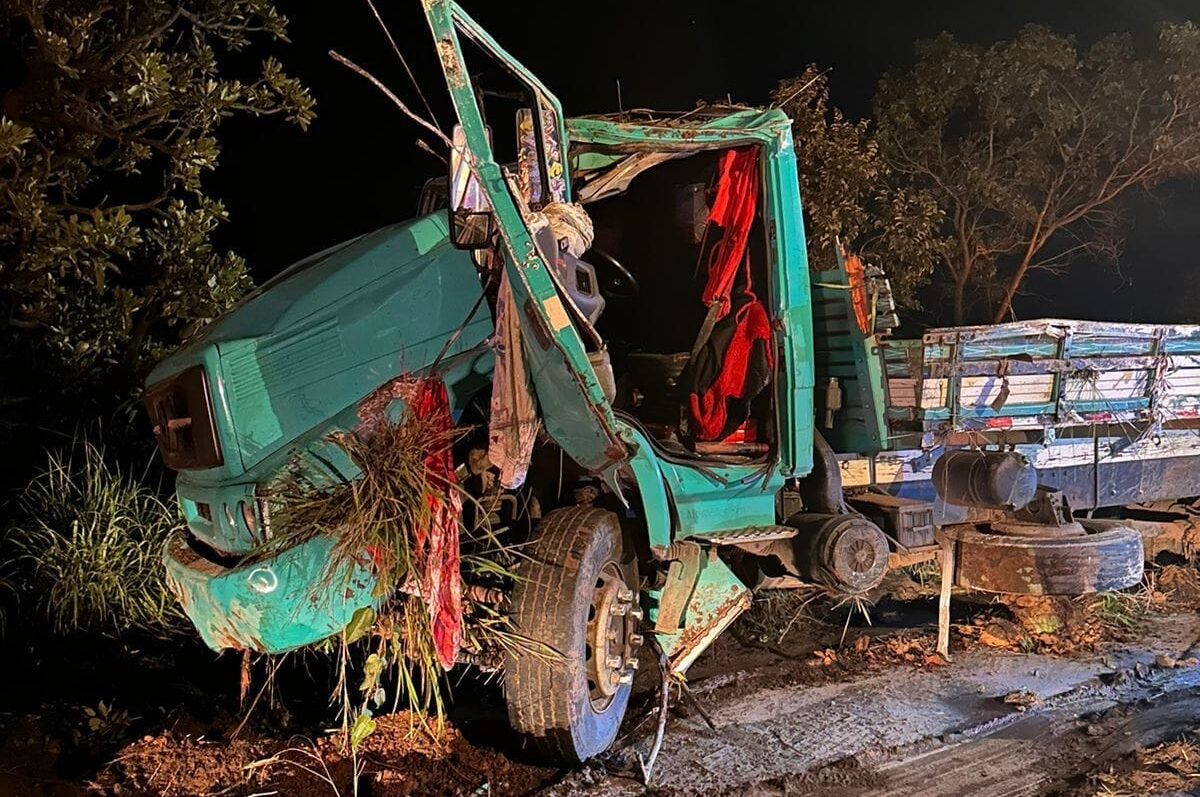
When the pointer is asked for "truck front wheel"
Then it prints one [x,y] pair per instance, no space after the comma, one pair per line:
[567,683]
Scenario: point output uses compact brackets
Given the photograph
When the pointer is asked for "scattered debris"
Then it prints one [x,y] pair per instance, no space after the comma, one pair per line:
[1169,768]
[1060,625]
[1171,663]
[1021,699]
[1174,587]
[919,651]
[996,633]
[824,658]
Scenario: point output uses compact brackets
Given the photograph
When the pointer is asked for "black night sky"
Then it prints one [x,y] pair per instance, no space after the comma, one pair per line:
[291,193]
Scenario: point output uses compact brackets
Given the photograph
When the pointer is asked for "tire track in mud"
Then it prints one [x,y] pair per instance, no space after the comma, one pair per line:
[903,731]
[1041,752]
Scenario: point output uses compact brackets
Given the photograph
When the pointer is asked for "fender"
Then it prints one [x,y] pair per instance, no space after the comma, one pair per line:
[705,595]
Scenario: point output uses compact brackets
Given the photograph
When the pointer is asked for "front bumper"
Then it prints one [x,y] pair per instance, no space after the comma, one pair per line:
[293,599]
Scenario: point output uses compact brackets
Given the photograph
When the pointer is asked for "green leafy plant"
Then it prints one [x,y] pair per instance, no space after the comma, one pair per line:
[85,549]
[1121,610]
[106,720]
[106,230]
[850,192]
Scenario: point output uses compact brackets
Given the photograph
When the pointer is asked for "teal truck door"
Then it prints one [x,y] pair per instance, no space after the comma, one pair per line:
[572,402]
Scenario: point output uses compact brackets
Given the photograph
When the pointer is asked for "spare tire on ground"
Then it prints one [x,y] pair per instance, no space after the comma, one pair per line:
[1109,557]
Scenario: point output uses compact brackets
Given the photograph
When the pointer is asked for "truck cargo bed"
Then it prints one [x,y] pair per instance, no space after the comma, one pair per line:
[1042,375]
[1109,413]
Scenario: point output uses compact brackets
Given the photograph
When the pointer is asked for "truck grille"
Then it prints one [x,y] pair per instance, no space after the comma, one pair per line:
[181,415]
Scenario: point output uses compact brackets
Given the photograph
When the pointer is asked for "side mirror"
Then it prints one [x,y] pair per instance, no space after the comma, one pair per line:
[472,222]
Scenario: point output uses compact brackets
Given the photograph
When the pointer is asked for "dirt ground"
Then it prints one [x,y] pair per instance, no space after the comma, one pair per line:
[397,760]
[1098,697]
[1167,768]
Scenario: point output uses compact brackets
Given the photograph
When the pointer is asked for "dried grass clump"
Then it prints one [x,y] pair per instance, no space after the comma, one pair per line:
[379,515]
[774,614]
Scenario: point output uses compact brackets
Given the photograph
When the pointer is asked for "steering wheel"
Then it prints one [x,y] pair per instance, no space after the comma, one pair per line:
[622,284]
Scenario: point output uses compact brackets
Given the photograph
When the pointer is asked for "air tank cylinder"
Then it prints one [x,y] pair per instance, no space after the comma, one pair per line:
[985,479]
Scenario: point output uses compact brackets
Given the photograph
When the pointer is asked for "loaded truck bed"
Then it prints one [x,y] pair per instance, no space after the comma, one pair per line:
[1108,413]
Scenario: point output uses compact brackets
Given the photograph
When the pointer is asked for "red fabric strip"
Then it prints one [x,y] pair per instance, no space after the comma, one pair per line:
[731,215]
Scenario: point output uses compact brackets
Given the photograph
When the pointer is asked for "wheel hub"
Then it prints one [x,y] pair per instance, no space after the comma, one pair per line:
[857,556]
[612,635]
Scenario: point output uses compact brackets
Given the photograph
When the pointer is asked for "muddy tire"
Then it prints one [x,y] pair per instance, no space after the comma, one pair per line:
[555,701]
[1109,557]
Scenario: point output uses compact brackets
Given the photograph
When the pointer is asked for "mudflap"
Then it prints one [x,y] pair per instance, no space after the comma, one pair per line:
[701,599]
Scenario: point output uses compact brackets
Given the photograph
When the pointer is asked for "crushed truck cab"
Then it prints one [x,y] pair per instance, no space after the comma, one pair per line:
[716,415]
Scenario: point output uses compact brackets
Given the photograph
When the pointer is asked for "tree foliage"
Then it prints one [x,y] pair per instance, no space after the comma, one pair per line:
[108,123]
[849,192]
[1029,147]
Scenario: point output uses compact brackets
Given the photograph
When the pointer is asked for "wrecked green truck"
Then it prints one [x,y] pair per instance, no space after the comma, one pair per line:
[691,411]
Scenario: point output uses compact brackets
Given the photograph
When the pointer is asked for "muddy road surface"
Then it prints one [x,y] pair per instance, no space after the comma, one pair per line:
[834,709]
[990,723]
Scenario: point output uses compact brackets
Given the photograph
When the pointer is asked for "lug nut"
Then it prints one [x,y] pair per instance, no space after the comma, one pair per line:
[613,662]
[619,609]
[635,640]
[632,663]
[625,594]
[626,678]
[636,613]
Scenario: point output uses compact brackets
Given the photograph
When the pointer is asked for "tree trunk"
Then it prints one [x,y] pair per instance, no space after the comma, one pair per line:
[960,289]
[1037,239]
[1010,291]
[962,274]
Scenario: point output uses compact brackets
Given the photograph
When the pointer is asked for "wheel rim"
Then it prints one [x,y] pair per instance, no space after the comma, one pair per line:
[612,638]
